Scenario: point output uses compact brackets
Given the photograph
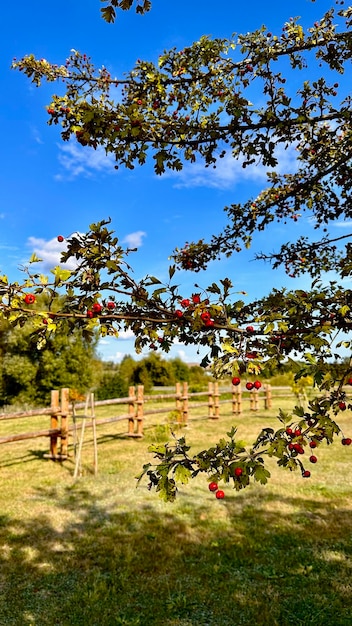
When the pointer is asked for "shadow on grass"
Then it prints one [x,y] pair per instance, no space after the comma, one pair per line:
[254,560]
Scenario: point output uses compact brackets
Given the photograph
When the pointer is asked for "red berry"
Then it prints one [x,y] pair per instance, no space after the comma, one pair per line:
[313,459]
[238,471]
[291,446]
[29,298]
[236,381]
[298,432]
[185,303]
[250,329]
[249,386]
[213,486]
[289,431]
[220,494]
[60,238]
[97,307]
[209,323]
[90,314]
[342,406]
[205,316]
[111,305]
[257,384]
[306,474]
[196,298]
[346,441]
[178,313]
[45,321]
[139,102]
[349,381]
[313,444]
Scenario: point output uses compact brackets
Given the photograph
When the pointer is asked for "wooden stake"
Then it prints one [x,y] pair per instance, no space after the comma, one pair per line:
[54,421]
[64,421]
[140,402]
[185,403]
[216,401]
[79,455]
[94,429]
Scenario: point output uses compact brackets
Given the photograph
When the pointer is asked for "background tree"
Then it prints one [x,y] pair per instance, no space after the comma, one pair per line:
[195,105]
[27,375]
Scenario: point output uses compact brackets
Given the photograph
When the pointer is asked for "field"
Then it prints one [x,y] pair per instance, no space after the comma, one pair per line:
[99,552]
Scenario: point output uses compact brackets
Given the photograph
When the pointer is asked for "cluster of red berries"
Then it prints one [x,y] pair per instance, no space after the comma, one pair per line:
[97,308]
[187,303]
[249,386]
[219,493]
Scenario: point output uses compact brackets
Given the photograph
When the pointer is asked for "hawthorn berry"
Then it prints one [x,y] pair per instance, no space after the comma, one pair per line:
[90,314]
[196,298]
[313,458]
[220,494]
[236,381]
[178,313]
[238,471]
[60,238]
[29,298]
[185,303]
[257,384]
[313,444]
[213,486]
[342,406]
[97,307]
[110,305]
[249,386]
[209,323]
[297,432]
[289,431]
[349,381]
[306,474]
[205,316]
[250,329]
[346,441]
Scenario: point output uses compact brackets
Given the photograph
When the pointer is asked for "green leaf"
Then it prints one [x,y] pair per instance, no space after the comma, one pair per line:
[261,474]
[182,474]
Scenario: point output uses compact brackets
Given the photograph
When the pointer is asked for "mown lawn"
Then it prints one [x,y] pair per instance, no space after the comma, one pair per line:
[99,552]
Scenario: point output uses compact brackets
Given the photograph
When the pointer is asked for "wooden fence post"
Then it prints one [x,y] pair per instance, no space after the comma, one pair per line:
[185,403]
[210,400]
[54,421]
[236,400]
[140,401]
[268,397]
[216,401]
[131,409]
[178,402]
[255,393]
[64,422]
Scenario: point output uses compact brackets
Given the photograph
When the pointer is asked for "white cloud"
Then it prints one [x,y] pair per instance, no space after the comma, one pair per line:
[49,251]
[2,216]
[346,224]
[83,161]
[229,171]
[126,334]
[134,240]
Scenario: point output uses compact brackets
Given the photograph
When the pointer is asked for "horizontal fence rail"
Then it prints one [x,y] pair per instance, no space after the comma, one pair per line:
[66,422]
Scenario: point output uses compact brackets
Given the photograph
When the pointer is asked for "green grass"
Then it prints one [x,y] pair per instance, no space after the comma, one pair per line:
[99,552]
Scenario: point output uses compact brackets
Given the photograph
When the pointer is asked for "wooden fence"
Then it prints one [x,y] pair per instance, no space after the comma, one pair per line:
[65,419]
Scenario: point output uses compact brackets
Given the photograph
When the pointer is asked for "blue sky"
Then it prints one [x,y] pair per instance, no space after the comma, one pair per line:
[50,188]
